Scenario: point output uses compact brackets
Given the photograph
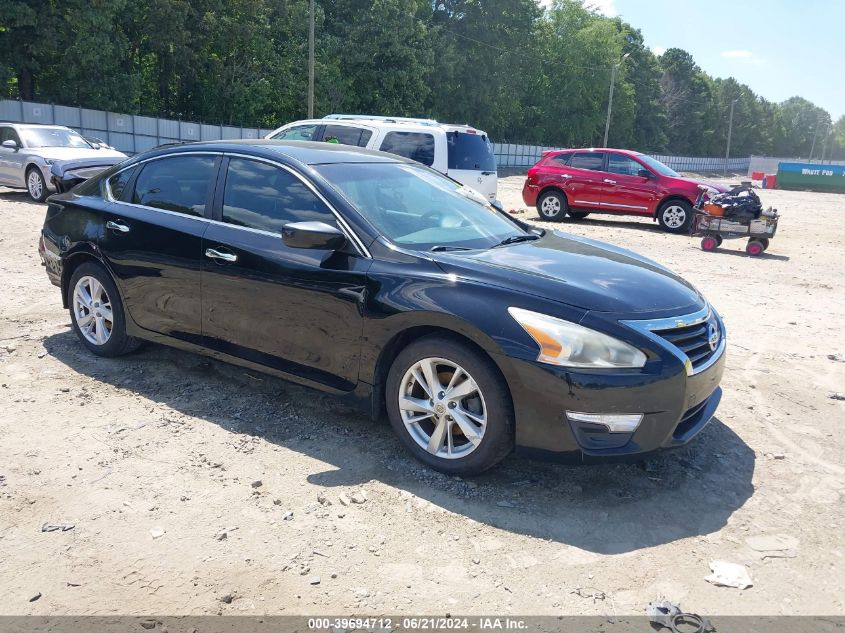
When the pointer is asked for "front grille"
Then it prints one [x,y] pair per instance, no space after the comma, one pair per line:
[694,340]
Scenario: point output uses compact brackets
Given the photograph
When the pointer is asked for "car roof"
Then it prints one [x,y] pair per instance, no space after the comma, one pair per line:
[398,123]
[628,152]
[304,152]
[44,125]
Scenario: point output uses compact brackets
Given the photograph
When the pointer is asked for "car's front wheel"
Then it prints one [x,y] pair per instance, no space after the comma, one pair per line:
[35,185]
[450,406]
[552,206]
[96,312]
[675,216]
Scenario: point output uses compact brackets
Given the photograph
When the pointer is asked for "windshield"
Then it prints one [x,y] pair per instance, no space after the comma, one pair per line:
[657,166]
[52,137]
[470,151]
[419,208]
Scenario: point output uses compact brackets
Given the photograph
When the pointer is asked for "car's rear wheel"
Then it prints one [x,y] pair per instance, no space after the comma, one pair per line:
[35,185]
[552,206]
[578,215]
[450,406]
[96,312]
[675,216]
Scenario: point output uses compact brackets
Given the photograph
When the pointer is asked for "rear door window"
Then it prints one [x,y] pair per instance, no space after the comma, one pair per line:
[587,160]
[266,197]
[297,133]
[417,146]
[470,151]
[560,160]
[177,183]
[346,135]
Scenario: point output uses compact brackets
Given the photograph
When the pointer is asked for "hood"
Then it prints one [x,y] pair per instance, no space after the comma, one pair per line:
[91,166]
[579,272]
[696,182]
[69,153]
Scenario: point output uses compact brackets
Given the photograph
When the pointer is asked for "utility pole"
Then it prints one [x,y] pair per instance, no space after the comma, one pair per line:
[610,96]
[826,137]
[813,146]
[311,62]
[730,131]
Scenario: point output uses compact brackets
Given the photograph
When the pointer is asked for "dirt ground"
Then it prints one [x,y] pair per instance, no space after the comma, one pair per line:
[195,487]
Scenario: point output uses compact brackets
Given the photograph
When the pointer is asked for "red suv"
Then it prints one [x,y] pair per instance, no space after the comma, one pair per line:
[578,182]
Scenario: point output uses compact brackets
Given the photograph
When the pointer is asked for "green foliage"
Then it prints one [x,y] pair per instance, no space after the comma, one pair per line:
[521,72]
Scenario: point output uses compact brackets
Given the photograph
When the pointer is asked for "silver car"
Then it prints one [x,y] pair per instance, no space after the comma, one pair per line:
[29,151]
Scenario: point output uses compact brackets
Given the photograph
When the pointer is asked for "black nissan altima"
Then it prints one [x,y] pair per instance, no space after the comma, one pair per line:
[365,274]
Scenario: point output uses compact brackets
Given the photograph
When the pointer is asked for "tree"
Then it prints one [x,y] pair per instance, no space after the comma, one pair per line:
[687,97]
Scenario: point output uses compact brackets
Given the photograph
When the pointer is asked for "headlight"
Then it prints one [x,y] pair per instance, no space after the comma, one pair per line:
[572,345]
[48,161]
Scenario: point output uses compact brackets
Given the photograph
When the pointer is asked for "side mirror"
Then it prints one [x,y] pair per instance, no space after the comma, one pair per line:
[314,235]
[645,173]
[497,204]
[10,144]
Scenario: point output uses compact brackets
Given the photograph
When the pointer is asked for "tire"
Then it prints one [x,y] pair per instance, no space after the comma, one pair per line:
[765,242]
[578,215]
[709,243]
[675,216]
[102,294]
[433,421]
[754,248]
[552,205]
[36,187]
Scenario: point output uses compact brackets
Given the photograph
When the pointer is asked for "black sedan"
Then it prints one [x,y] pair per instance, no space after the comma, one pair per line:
[368,275]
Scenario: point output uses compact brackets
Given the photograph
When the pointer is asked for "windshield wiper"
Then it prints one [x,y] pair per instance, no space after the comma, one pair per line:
[513,239]
[441,248]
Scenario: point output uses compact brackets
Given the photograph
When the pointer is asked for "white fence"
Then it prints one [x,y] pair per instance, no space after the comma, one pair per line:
[132,133]
[524,156]
[129,133]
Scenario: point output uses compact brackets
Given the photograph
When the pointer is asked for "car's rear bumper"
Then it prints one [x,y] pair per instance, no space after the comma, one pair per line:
[529,194]
[675,407]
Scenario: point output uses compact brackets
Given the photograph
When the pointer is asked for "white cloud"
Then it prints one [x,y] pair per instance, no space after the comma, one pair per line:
[658,50]
[739,54]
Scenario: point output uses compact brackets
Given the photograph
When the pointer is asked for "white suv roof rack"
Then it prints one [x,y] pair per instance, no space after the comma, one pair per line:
[375,117]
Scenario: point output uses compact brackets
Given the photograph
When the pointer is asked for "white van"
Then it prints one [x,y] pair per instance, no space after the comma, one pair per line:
[459,151]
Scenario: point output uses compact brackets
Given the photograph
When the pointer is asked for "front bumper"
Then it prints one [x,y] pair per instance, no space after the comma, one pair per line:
[676,406]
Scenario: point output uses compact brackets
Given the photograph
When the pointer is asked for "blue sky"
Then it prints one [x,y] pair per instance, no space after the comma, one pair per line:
[780,48]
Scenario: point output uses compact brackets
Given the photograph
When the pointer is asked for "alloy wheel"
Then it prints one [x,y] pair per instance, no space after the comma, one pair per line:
[35,185]
[674,216]
[92,310]
[550,206]
[442,408]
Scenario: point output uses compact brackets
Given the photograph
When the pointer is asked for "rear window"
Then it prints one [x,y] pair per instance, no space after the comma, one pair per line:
[559,160]
[417,146]
[346,135]
[587,160]
[297,133]
[470,151]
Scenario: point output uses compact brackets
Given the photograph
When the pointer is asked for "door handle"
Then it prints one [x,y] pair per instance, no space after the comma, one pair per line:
[609,181]
[215,254]
[117,226]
